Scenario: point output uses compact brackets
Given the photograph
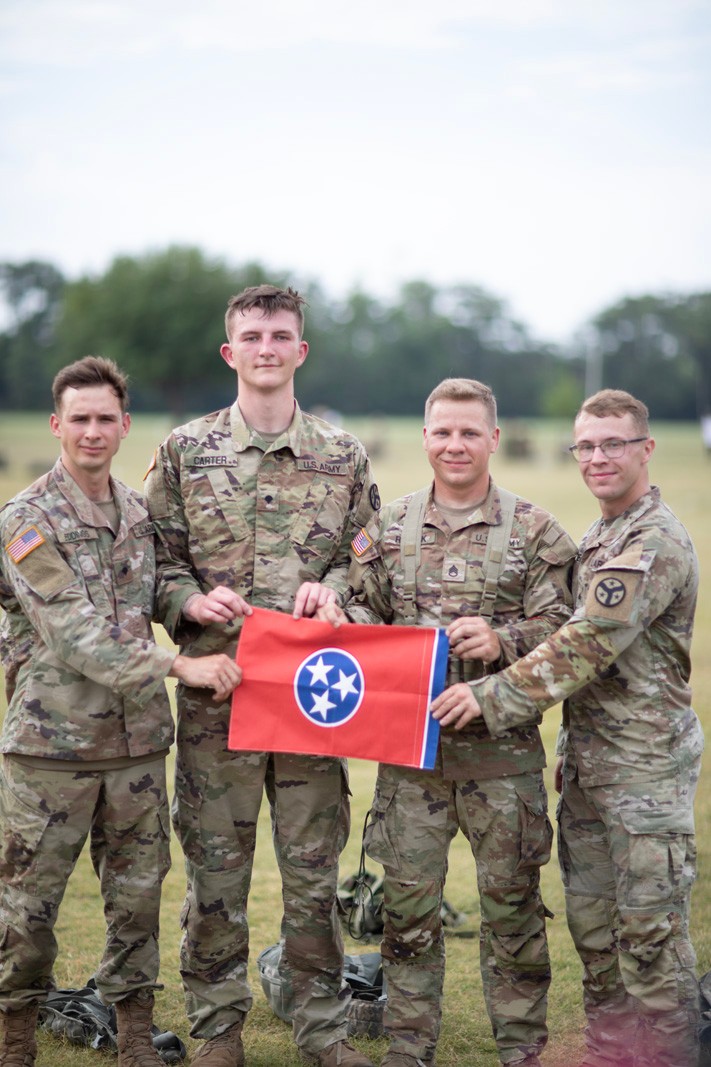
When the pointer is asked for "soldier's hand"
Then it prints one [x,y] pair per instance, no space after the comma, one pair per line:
[310,596]
[332,613]
[472,638]
[218,672]
[456,706]
[219,605]
[558,775]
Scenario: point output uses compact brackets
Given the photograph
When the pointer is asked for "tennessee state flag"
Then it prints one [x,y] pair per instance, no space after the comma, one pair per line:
[360,691]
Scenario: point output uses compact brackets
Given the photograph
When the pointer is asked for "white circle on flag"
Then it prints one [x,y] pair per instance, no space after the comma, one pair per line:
[329,687]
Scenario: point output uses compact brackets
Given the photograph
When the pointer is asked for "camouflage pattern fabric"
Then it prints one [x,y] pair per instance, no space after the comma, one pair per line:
[46,816]
[85,682]
[632,746]
[87,677]
[261,518]
[628,861]
[490,789]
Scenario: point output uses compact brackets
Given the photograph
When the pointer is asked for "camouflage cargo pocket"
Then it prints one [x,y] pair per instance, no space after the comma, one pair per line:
[661,856]
[379,833]
[535,826]
[22,829]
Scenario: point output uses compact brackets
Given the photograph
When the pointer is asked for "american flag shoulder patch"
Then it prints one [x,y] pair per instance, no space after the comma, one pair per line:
[26,542]
[361,543]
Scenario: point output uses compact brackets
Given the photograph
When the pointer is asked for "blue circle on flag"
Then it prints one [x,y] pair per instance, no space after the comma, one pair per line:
[329,687]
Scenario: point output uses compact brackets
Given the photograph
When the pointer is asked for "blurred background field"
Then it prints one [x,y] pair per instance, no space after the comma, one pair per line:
[537,469]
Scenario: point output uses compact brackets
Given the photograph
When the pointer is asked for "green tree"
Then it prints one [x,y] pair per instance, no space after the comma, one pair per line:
[161,317]
[645,346]
[32,292]
[691,319]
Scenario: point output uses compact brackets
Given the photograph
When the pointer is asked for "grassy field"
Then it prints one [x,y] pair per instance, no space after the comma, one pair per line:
[550,479]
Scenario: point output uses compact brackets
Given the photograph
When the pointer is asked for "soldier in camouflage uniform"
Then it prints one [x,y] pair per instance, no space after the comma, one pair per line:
[492,790]
[631,748]
[88,724]
[257,504]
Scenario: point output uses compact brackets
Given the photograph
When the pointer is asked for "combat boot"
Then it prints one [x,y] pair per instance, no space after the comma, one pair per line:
[223,1051]
[338,1054]
[402,1059]
[134,1018]
[18,1044]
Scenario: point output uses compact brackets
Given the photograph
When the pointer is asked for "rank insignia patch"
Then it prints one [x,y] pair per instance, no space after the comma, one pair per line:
[27,542]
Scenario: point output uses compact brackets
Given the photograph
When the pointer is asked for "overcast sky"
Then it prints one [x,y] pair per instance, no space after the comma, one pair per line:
[554,152]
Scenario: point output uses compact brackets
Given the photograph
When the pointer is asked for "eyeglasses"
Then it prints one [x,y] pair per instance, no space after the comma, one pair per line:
[611,449]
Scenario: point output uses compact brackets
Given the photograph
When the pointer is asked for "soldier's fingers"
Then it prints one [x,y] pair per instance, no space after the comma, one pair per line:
[303,600]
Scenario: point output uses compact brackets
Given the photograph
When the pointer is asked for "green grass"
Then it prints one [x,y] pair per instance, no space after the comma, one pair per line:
[683,472]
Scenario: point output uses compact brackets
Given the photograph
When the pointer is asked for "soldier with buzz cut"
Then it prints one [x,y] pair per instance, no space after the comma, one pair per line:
[630,747]
[88,724]
[494,570]
[257,504]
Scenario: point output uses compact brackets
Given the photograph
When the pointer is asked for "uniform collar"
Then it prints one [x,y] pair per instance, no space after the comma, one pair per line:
[605,532]
[489,511]
[244,437]
[130,510]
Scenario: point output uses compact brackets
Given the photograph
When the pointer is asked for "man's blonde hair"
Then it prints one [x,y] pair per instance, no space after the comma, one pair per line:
[463,389]
[617,402]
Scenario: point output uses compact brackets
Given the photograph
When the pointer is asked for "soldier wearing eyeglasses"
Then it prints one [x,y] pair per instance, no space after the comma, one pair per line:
[630,747]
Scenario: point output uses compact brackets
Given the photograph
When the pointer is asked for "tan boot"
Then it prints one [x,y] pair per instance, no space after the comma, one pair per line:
[339,1054]
[223,1051]
[134,1018]
[18,1044]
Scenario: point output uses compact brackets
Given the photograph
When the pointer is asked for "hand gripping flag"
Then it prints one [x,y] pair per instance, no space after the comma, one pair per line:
[360,691]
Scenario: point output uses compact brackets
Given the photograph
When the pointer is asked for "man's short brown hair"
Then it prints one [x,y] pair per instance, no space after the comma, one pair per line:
[616,402]
[269,299]
[463,389]
[91,370]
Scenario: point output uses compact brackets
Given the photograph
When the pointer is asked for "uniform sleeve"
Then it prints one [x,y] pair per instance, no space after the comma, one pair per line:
[624,598]
[176,579]
[547,600]
[55,602]
[364,501]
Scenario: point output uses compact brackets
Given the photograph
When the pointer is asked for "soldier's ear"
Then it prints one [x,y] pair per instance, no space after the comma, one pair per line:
[226,353]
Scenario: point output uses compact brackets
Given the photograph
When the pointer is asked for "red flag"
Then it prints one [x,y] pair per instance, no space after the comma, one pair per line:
[360,691]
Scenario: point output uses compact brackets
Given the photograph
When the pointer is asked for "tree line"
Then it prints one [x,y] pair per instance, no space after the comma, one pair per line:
[160,316]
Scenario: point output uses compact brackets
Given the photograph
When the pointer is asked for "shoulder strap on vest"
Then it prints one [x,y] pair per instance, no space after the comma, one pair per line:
[410,550]
[495,556]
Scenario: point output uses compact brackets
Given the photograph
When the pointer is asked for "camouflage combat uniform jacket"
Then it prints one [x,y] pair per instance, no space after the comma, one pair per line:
[259,518]
[533,600]
[85,678]
[623,659]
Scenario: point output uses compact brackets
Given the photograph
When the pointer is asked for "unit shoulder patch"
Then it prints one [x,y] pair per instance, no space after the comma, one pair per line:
[610,592]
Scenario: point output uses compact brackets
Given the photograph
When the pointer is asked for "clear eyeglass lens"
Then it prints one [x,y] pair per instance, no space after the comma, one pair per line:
[612,449]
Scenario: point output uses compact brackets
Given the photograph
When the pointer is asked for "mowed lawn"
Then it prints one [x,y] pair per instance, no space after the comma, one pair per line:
[547,477]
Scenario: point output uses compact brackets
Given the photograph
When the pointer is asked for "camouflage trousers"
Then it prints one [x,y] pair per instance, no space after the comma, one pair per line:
[414,817]
[217,802]
[628,861]
[46,816]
